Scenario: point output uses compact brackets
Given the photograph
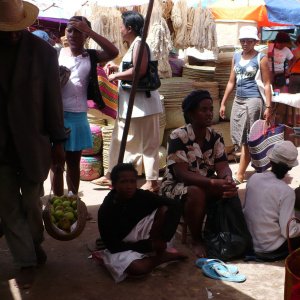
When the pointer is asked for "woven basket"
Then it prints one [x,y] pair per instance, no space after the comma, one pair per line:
[97,141]
[59,234]
[223,128]
[90,167]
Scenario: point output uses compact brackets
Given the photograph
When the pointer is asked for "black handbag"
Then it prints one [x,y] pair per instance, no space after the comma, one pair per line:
[150,82]
[226,234]
[279,80]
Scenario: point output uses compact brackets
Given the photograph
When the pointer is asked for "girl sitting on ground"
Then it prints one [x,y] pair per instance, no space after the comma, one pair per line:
[135,226]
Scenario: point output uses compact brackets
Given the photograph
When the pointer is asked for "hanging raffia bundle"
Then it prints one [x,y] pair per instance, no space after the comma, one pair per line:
[159,39]
[203,33]
[179,19]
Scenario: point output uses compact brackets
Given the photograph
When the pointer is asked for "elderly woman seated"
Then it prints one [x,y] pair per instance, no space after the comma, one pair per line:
[197,168]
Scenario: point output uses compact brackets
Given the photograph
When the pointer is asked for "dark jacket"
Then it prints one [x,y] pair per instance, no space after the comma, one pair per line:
[34,106]
[93,87]
[117,218]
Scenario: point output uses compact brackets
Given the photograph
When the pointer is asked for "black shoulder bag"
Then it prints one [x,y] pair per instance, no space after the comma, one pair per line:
[226,233]
[150,82]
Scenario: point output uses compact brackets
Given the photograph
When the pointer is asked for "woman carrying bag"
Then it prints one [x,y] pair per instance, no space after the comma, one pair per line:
[248,105]
[143,139]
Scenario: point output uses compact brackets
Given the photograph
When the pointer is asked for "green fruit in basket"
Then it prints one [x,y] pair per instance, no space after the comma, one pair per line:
[68,208]
[66,203]
[74,204]
[64,224]
[59,207]
[54,198]
[58,214]
[70,216]
[52,209]
[57,202]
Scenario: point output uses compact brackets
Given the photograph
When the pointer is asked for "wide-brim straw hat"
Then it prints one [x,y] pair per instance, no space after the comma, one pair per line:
[17,15]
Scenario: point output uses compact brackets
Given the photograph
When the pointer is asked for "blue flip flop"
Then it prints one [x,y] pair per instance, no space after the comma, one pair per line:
[221,272]
[200,262]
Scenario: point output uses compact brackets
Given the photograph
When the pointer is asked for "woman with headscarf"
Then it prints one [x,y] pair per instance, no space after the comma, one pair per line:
[197,168]
[81,86]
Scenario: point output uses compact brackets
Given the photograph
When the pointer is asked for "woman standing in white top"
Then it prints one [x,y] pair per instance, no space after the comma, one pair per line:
[143,139]
[81,86]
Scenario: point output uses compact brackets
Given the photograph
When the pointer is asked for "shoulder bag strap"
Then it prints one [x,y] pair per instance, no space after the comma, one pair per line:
[148,50]
[272,58]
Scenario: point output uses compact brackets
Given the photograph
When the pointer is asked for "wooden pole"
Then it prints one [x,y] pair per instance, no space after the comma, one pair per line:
[135,82]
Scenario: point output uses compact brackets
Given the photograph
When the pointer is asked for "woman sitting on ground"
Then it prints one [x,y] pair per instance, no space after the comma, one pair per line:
[269,205]
[133,222]
[195,154]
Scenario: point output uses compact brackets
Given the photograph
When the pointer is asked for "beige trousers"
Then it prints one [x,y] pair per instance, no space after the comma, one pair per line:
[142,145]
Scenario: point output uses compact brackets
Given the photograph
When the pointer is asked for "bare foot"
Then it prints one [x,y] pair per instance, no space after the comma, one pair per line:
[151,186]
[171,256]
[199,249]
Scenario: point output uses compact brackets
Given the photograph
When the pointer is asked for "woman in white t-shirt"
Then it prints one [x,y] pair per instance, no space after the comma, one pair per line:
[81,86]
[279,56]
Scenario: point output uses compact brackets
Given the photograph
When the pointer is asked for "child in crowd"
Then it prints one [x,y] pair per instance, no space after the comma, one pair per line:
[135,226]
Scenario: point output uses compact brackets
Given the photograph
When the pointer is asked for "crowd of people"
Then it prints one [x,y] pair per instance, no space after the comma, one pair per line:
[44,125]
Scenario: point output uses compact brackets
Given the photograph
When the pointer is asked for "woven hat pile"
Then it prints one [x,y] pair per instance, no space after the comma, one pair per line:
[223,128]
[198,73]
[213,88]
[222,73]
[174,90]
[106,135]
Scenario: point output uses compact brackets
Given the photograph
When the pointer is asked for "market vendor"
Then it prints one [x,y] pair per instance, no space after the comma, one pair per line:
[197,171]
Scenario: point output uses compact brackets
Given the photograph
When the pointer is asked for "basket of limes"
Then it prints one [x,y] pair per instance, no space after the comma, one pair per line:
[65,217]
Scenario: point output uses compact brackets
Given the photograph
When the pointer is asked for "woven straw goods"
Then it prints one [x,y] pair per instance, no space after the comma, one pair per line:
[97,141]
[106,135]
[95,116]
[174,117]
[198,73]
[90,167]
[76,228]
[166,136]
[213,89]
[223,128]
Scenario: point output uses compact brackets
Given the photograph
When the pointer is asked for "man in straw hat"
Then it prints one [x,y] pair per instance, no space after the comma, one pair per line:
[31,125]
[269,204]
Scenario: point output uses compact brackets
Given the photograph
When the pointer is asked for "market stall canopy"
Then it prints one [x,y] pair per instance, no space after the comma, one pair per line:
[228,10]
[61,10]
[283,11]
[119,3]
[65,9]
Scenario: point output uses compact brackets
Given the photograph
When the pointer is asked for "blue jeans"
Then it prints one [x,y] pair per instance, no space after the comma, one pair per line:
[20,214]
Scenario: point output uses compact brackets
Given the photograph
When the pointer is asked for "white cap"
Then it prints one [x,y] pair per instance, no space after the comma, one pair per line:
[284,152]
[248,32]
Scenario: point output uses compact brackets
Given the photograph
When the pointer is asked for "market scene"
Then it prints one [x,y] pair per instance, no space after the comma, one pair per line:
[149,149]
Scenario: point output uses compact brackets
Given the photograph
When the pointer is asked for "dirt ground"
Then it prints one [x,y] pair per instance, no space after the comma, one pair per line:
[70,275]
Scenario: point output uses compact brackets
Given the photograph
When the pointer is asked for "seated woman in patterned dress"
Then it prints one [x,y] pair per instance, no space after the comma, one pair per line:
[197,167]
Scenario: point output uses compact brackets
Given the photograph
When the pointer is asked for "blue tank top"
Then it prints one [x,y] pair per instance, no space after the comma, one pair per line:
[246,86]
